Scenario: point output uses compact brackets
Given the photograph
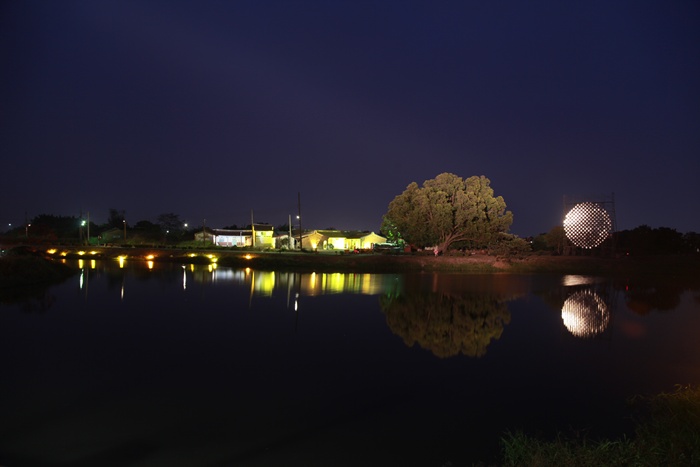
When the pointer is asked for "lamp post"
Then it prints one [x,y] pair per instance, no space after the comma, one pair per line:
[26,230]
[124,222]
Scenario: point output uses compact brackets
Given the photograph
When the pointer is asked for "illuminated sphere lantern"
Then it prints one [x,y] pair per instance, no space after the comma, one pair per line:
[585,314]
[587,225]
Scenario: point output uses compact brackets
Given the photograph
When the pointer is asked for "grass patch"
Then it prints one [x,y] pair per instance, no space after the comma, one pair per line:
[667,433]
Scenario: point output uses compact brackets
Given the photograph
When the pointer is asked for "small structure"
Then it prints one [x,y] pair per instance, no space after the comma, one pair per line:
[340,240]
[259,236]
[112,235]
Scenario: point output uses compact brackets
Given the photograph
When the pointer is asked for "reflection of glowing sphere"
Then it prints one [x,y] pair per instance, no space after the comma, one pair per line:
[587,225]
[585,314]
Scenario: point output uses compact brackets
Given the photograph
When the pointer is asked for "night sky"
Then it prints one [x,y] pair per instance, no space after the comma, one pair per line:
[211,109]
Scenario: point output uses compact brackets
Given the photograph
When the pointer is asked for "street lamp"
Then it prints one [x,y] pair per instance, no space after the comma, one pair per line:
[26,230]
[124,222]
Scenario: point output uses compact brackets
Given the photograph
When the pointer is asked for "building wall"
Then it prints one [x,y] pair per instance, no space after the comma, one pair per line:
[368,241]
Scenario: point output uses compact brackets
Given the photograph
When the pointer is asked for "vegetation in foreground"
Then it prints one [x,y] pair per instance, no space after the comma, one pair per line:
[667,433]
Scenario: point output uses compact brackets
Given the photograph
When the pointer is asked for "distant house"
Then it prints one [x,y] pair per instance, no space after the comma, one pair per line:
[260,236]
[340,240]
[111,235]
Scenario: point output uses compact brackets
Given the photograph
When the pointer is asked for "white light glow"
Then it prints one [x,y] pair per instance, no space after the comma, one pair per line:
[587,225]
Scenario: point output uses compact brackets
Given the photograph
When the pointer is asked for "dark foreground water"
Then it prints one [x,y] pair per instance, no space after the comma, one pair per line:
[197,366]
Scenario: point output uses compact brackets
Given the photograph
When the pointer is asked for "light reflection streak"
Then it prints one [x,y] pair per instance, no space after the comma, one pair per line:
[574,280]
[264,283]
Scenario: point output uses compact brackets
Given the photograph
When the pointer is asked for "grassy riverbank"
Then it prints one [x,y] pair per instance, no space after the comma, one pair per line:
[667,432]
[394,263]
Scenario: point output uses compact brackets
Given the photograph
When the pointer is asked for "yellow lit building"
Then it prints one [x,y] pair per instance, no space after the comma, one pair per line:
[340,240]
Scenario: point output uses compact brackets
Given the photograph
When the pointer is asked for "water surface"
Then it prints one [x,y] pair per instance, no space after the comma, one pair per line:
[165,365]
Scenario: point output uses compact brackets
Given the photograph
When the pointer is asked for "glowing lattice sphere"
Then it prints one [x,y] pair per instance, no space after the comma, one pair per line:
[585,314]
[587,225]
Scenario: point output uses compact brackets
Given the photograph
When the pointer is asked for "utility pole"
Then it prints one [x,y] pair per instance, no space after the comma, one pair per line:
[252,226]
[289,239]
[299,206]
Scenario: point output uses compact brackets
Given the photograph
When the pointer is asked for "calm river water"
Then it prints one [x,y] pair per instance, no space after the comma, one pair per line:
[172,365]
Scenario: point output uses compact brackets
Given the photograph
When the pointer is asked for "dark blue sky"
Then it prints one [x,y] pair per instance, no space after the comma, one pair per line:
[210,109]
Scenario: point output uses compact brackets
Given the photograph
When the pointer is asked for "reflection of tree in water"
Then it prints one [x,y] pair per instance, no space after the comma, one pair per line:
[643,297]
[30,298]
[447,325]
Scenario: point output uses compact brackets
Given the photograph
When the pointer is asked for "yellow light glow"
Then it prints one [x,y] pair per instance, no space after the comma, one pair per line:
[81,263]
[63,253]
[81,253]
[248,256]
[121,261]
[93,252]
[51,251]
[93,264]
[150,264]
[192,255]
[149,257]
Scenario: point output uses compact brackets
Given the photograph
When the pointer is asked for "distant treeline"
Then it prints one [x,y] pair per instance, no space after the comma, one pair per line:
[642,240]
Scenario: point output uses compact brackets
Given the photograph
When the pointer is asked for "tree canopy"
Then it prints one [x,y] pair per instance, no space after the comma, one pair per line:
[448,210]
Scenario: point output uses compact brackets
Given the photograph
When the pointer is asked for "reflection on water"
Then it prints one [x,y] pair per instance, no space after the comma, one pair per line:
[264,283]
[587,308]
[151,366]
[456,315]
[585,314]
[259,283]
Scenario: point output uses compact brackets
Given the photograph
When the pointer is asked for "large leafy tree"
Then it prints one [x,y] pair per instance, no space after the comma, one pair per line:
[448,210]
[116,218]
[170,221]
